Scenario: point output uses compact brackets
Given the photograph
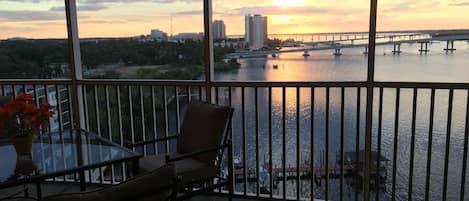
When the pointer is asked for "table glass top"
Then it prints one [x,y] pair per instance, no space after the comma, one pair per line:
[58,152]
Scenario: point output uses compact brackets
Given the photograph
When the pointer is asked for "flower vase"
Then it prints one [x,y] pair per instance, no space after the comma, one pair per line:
[23,145]
[25,165]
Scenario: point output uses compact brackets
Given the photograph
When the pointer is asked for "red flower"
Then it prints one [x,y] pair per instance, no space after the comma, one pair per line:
[23,117]
[24,97]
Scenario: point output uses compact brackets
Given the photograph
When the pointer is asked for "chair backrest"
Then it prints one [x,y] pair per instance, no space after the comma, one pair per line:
[4,99]
[204,126]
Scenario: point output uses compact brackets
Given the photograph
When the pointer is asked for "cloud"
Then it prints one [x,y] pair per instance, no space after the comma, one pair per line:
[172,1]
[197,12]
[26,15]
[80,8]
[191,12]
[459,4]
[109,1]
[277,10]
[25,1]
[131,1]
[411,5]
[264,10]
[32,1]
[273,10]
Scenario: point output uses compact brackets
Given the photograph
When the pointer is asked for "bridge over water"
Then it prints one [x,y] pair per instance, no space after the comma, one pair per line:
[314,46]
[358,35]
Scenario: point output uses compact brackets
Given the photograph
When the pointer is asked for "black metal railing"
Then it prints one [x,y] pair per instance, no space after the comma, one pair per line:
[294,141]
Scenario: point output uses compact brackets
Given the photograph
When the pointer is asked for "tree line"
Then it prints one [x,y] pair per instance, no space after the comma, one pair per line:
[39,58]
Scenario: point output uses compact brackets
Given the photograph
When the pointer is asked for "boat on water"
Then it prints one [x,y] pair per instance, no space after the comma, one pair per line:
[275,66]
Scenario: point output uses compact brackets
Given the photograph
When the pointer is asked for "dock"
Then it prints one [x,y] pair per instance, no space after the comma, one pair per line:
[350,169]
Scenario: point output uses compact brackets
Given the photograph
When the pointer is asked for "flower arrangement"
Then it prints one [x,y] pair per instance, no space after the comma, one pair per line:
[22,118]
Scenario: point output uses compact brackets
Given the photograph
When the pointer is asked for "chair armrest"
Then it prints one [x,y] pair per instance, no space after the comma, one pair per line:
[129,145]
[169,158]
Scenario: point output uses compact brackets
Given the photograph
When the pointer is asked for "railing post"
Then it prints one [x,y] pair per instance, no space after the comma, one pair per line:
[208,49]
[77,109]
[369,97]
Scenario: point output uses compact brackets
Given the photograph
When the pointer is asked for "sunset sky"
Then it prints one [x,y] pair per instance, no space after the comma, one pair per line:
[117,18]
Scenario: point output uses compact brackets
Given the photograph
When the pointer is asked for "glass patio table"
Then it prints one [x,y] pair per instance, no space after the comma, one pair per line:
[57,154]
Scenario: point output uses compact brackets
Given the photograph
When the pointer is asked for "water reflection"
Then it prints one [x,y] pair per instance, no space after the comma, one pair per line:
[322,66]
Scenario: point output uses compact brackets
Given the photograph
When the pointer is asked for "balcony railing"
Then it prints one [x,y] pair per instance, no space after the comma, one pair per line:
[292,141]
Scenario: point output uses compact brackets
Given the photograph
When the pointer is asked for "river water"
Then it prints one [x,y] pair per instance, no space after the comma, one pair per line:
[410,65]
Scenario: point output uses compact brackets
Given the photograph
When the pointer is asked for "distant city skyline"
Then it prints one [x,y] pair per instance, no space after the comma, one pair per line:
[125,18]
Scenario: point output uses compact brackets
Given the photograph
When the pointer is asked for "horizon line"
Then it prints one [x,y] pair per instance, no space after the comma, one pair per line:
[311,33]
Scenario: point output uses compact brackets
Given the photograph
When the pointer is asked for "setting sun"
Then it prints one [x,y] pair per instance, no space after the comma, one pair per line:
[289,3]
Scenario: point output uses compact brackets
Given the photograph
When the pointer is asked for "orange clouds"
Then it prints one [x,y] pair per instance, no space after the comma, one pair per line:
[116,18]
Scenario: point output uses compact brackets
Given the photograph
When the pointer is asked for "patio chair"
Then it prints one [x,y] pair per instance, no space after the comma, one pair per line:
[157,185]
[204,135]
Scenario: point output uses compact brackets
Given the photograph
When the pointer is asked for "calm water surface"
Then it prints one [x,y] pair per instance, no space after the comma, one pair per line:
[410,65]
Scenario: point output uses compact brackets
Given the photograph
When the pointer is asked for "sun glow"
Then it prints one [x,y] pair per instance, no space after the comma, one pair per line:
[289,3]
[282,19]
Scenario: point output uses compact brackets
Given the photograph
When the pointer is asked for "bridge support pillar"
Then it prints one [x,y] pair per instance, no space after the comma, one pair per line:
[449,46]
[422,49]
[397,48]
[337,52]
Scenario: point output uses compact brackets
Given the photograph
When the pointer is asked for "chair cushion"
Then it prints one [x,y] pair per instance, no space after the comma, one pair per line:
[152,162]
[157,185]
[203,127]
[187,169]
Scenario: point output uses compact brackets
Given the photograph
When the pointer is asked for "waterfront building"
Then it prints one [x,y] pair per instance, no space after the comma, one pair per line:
[158,34]
[255,31]
[219,29]
[192,36]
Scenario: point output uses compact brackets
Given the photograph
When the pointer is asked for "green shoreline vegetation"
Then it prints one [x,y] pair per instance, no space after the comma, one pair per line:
[142,59]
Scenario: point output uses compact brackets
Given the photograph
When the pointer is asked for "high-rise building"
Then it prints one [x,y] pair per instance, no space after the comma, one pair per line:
[255,31]
[219,29]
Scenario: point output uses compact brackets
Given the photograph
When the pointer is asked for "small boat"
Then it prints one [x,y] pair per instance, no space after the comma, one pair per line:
[275,66]
[264,180]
